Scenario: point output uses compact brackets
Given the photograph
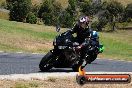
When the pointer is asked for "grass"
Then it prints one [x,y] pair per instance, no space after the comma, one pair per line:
[125,2]
[1,1]
[64,3]
[51,79]
[37,2]
[118,45]
[16,36]
[4,15]
[124,25]
[22,84]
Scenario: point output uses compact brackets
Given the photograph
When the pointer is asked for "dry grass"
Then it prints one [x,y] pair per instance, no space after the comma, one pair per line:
[56,83]
[64,3]
[124,2]
[36,28]
[37,2]
[26,44]
[25,37]
[1,1]
[18,36]
[4,15]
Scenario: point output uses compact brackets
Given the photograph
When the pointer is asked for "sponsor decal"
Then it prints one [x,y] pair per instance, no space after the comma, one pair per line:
[83,78]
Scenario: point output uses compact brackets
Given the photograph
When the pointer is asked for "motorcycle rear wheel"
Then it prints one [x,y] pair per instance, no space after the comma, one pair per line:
[47,62]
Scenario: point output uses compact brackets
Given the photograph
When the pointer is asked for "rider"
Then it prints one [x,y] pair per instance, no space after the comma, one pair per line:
[82,30]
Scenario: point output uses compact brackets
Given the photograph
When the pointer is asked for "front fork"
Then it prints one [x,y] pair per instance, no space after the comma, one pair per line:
[55,51]
[55,55]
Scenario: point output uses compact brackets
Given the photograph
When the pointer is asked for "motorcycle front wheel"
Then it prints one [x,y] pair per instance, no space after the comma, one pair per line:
[75,67]
[47,62]
[91,58]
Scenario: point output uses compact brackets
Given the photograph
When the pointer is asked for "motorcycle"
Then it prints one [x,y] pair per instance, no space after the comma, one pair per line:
[65,55]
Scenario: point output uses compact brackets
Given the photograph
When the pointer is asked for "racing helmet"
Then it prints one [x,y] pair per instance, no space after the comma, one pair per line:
[84,20]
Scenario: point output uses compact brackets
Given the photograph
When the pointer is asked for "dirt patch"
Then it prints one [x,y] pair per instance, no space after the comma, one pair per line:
[36,46]
[36,2]
[69,82]
[28,44]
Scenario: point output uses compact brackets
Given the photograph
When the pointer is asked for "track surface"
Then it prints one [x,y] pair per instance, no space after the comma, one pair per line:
[19,63]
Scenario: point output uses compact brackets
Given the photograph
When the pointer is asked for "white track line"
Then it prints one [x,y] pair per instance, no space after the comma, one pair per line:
[45,76]
[1,51]
[37,53]
[20,52]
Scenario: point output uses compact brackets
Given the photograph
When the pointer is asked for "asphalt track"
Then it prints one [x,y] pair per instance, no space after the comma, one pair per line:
[24,63]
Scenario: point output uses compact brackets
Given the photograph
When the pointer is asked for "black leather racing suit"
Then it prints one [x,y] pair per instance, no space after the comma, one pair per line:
[82,34]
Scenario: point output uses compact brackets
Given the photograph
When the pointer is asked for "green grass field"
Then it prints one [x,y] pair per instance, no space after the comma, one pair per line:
[17,36]
[118,45]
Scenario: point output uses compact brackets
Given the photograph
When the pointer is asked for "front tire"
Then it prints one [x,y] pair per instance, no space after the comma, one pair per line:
[47,62]
[91,58]
[75,67]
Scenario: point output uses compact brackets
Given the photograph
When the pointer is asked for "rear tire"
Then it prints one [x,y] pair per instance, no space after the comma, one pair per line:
[47,62]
